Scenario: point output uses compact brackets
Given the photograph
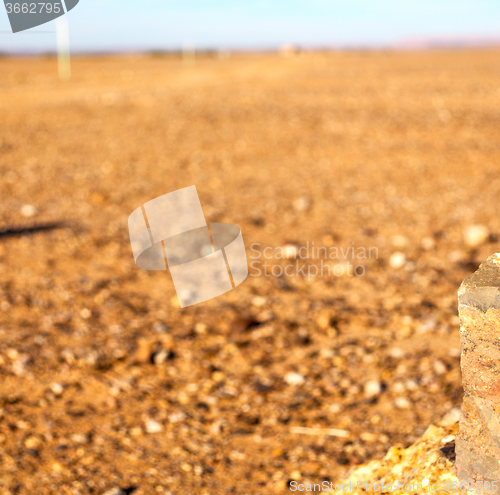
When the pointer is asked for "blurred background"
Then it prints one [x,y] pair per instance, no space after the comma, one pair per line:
[343,124]
[118,25]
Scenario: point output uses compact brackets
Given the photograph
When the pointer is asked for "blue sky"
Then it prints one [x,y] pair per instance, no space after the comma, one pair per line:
[98,25]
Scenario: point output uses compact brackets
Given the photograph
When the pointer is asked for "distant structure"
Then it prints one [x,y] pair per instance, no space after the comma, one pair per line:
[63,53]
[288,50]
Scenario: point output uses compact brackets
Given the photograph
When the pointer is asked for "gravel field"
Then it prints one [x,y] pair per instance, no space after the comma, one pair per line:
[108,387]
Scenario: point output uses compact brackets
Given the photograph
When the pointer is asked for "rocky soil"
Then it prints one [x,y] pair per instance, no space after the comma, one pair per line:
[107,386]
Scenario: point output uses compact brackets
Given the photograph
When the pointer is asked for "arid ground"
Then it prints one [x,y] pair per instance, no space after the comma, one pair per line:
[107,384]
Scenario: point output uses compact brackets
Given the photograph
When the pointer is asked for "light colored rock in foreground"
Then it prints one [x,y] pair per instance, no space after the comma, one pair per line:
[478,440]
[425,466]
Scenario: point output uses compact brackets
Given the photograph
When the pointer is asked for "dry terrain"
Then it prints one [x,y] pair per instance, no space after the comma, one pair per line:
[107,384]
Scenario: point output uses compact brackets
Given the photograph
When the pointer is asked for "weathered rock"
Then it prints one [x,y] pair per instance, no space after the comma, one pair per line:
[425,466]
[478,440]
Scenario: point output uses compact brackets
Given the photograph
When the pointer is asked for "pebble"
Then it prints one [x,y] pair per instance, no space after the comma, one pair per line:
[399,241]
[293,378]
[28,211]
[427,326]
[335,408]
[115,491]
[475,235]
[161,357]
[373,388]
[398,387]
[302,204]
[200,328]
[85,313]
[32,442]
[57,389]
[12,354]
[439,367]
[448,438]
[366,436]
[177,417]
[258,301]
[218,376]
[428,243]
[153,426]
[136,431]
[397,353]
[397,260]
[411,385]
[290,251]
[80,438]
[402,403]
[323,321]
[451,417]
[144,351]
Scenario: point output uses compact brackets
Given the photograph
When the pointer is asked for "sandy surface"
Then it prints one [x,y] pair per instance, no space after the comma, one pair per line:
[106,382]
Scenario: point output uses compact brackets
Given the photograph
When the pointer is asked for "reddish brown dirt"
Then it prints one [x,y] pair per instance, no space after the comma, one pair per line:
[396,151]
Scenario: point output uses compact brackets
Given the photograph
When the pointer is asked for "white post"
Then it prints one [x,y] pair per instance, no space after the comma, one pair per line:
[63,54]
[188,54]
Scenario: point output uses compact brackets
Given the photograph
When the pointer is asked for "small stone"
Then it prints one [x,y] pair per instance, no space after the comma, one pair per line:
[57,389]
[293,378]
[144,351]
[28,211]
[456,256]
[136,431]
[373,388]
[12,354]
[302,204]
[68,356]
[368,437]
[215,428]
[153,426]
[159,327]
[290,251]
[397,260]
[80,438]
[161,357]
[428,243]
[177,417]
[323,321]
[335,408]
[399,241]
[411,385]
[85,313]
[200,328]
[475,235]
[397,353]
[439,367]
[115,491]
[448,438]
[398,387]
[32,442]
[427,326]
[258,301]
[218,376]
[402,403]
